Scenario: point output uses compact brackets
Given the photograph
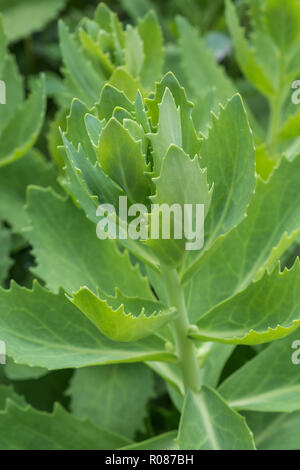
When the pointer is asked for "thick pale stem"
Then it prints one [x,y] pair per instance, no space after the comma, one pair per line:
[185,347]
[274,124]
[276,109]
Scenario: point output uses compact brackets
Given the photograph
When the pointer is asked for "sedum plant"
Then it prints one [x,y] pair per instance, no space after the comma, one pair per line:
[117,309]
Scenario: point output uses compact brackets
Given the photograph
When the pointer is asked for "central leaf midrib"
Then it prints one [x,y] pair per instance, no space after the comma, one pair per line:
[263,396]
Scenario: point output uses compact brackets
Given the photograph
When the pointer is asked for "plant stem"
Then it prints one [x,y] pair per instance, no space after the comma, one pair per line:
[276,109]
[185,347]
[274,124]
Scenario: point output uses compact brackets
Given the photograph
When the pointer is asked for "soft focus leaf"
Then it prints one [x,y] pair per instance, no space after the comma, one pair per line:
[208,423]
[113,397]
[29,429]
[279,389]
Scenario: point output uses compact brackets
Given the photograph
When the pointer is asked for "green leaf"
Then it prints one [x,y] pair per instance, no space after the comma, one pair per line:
[136,131]
[122,159]
[212,360]
[70,255]
[200,67]
[264,164]
[87,182]
[105,18]
[171,374]
[235,258]
[190,140]
[121,318]
[151,35]
[14,179]
[136,8]
[42,329]
[77,131]
[256,13]
[246,57]
[283,22]
[285,243]
[14,90]
[124,82]
[291,128]
[266,310]
[113,31]
[208,423]
[3,45]
[87,82]
[166,441]
[140,113]
[114,397]
[120,114]
[94,128]
[110,98]
[275,431]
[29,429]
[23,18]
[54,137]
[279,389]
[134,51]
[168,130]
[101,58]
[177,167]
[293,61]
[21,132]
[74,180]
[44,392]
[7,392]
[266,53]
[228,155]
[5,245]
[15,371]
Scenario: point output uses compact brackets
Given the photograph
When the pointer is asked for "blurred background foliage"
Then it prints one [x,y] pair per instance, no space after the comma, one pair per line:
[31,25]
[32,33]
